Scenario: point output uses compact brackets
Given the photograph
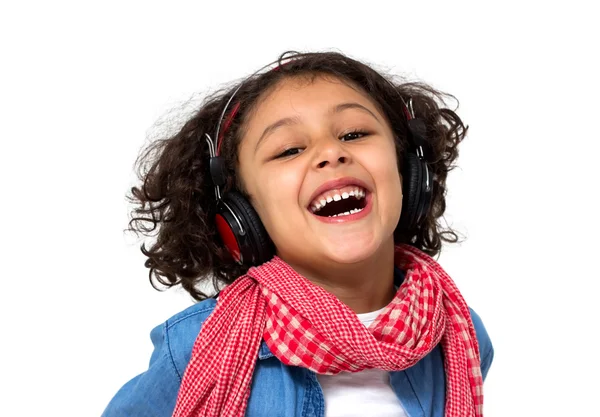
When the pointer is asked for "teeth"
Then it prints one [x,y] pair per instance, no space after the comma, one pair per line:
[347,213]
[322,201]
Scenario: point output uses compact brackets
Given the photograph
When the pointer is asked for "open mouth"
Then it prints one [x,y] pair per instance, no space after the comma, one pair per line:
[340,202]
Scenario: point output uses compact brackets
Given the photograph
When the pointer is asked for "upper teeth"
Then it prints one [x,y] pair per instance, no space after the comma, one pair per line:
[336,195]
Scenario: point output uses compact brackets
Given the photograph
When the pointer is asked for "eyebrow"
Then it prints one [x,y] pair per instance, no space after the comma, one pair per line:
[344,106]
[290,121]
[287,121]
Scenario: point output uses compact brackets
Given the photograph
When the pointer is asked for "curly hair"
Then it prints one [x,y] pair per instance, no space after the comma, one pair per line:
[176,199]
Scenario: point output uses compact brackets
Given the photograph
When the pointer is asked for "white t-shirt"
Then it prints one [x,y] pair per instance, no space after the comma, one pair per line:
[365,393]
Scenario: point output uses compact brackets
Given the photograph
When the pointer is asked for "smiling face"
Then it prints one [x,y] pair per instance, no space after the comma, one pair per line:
[313,148]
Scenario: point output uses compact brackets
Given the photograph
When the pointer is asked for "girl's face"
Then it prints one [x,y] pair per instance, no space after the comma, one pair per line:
[315,148]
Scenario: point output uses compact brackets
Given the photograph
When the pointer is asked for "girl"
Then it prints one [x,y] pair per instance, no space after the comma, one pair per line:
[312,192]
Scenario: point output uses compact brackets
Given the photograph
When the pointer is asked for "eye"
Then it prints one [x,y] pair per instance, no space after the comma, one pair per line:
[357,134]
[288,152]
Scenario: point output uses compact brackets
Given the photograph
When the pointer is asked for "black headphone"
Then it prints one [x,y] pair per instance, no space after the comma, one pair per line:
[417,176]
[242,231]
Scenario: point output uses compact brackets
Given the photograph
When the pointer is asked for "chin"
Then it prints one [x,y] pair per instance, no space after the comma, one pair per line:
[352,250]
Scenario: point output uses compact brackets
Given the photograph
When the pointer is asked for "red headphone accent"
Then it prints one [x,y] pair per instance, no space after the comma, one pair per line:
[228,238]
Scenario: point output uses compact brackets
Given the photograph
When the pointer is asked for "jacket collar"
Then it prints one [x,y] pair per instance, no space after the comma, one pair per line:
[265,353]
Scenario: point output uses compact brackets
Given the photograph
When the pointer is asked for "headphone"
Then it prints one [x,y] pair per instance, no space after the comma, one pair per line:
[417,176]
[240,227]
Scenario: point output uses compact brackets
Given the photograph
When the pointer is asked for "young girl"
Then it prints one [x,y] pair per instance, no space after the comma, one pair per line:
[310,194]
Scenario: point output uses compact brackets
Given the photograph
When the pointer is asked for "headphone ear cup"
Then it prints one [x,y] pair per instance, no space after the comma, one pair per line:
[256,246]
[230,230]
[426,193]
[412,185]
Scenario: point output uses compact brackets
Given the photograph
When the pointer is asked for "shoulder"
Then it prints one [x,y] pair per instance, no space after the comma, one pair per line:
[153,393]
[486,349]
[191,316]
[181,330]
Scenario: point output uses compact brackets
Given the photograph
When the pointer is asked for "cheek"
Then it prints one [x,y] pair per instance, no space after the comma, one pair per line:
[389,177]
[383,164]
[384,169]
[276,194]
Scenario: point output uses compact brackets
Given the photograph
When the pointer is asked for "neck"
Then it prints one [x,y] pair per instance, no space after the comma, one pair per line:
[364,287]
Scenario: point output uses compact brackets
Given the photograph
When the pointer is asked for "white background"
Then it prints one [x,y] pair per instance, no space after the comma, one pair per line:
[82,84]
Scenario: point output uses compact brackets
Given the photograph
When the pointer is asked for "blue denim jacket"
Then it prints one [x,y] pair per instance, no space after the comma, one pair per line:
[277,389]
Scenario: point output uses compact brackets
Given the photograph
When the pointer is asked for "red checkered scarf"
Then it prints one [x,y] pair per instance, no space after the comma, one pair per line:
[304,325]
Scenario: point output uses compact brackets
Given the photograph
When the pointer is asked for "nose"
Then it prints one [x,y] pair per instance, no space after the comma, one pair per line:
[331,153]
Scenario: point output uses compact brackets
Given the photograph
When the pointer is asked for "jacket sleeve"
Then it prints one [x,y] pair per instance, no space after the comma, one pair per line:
[486,349]
[154,392]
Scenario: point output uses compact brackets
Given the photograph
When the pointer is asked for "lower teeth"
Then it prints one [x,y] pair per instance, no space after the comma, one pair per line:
[347,213]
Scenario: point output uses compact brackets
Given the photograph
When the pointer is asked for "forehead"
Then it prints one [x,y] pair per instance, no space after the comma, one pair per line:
[305,95]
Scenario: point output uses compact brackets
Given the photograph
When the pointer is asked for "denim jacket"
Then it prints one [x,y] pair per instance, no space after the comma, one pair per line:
[277,389]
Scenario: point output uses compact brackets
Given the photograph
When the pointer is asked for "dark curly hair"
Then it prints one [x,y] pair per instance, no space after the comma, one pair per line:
[176,199]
